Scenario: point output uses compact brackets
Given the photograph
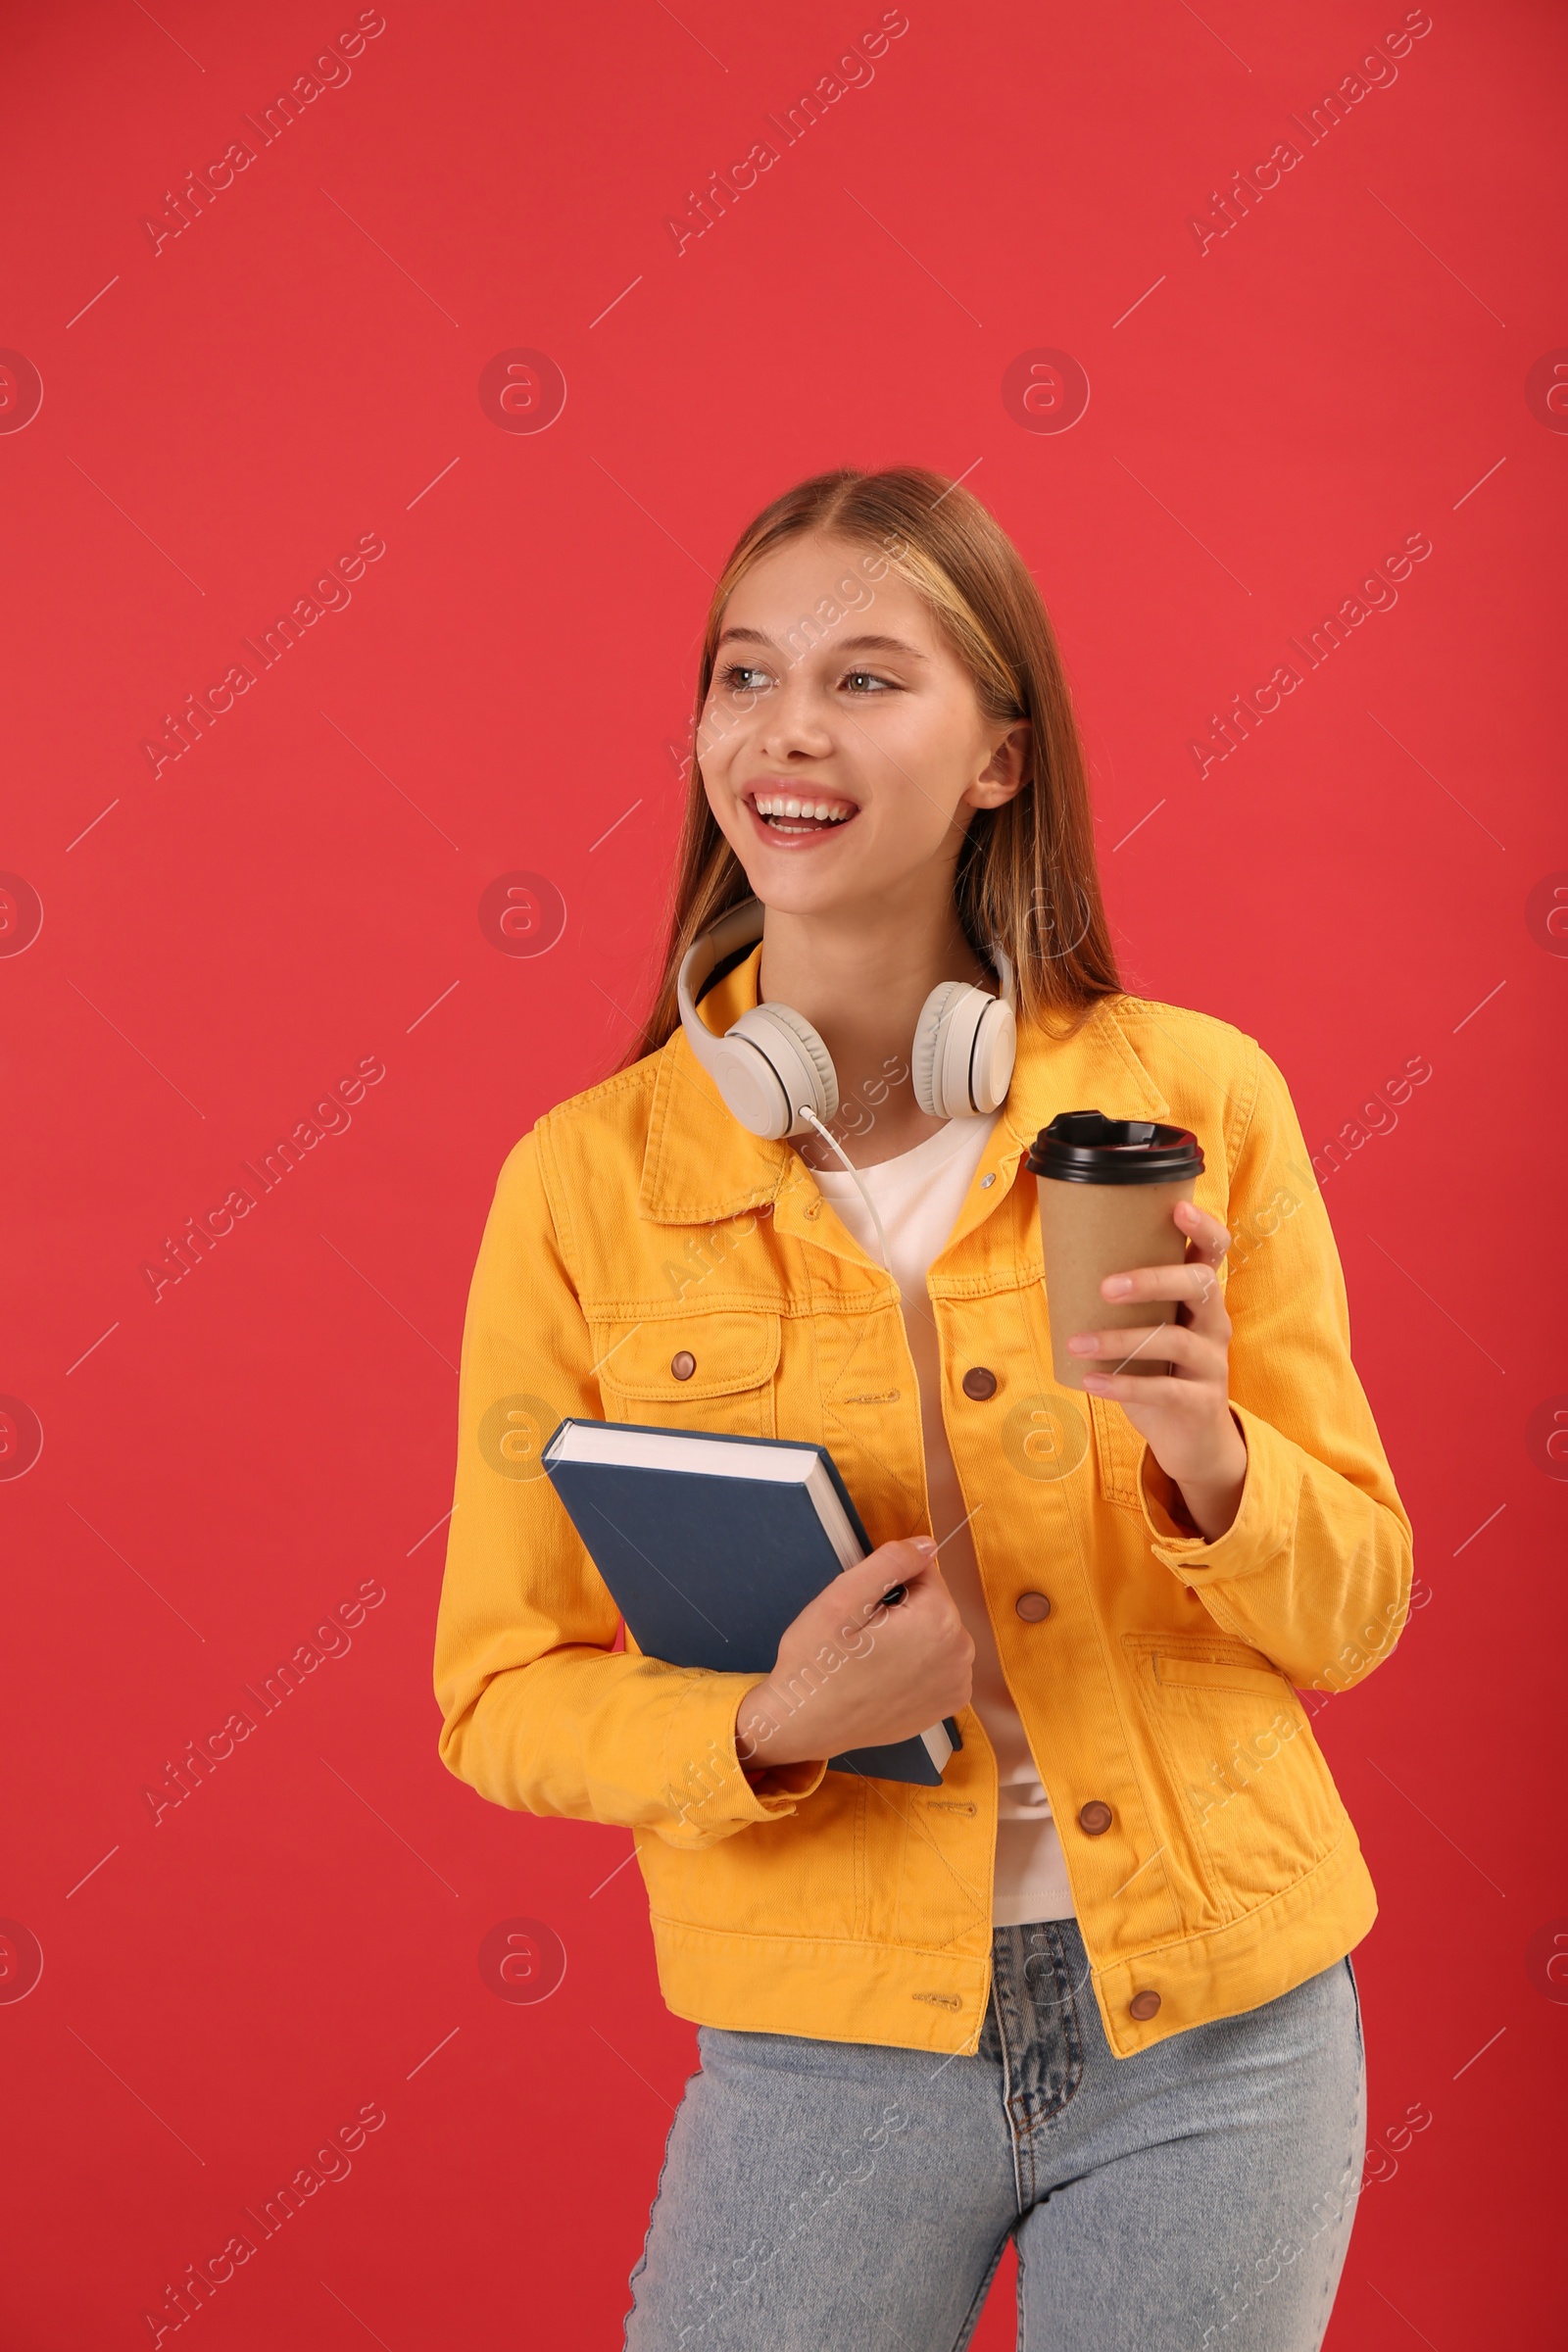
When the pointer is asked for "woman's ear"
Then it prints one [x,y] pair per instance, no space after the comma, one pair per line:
[1005,773]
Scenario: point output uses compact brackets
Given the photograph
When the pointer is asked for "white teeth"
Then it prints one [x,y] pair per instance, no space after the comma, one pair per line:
[787,806]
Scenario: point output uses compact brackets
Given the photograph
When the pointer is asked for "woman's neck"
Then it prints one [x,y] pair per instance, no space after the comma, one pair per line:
[861,981]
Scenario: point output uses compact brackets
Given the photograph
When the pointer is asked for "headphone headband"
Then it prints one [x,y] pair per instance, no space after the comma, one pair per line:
[741,927]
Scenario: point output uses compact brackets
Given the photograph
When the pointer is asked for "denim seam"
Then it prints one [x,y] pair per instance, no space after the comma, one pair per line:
[1072,2032]
[1360,2022]
[1042,2109]
[1001,1996]
[1026,2107]
[1330,2280]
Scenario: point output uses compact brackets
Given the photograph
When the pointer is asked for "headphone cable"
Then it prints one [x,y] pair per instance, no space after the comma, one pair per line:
[834,1145]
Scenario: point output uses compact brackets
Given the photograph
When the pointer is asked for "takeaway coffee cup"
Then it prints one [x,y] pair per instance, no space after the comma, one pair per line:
[1107,1189]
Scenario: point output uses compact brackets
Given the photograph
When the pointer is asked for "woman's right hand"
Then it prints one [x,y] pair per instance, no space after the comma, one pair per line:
[851,1673]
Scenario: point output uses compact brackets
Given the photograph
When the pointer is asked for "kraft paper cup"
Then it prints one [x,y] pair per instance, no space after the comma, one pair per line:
[1107,1189]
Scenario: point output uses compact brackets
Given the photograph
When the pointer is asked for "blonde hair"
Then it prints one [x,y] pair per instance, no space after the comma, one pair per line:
[1026,875]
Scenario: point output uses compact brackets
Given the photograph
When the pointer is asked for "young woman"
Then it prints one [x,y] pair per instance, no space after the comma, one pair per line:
[1093,1992]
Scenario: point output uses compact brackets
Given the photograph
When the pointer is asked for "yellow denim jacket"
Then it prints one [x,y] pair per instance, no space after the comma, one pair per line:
[1212,1863]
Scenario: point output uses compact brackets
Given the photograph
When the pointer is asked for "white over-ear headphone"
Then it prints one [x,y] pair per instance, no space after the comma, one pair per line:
[777,1077]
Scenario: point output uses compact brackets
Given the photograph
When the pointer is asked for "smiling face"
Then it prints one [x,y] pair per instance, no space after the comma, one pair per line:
[842,743]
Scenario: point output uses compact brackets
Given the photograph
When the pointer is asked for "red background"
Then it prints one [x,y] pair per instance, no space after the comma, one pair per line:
[222,417]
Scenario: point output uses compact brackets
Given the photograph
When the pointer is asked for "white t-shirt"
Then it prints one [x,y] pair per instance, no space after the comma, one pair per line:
[918,1196]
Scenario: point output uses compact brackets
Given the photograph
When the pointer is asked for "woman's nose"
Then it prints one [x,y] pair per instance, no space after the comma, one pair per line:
[793,720]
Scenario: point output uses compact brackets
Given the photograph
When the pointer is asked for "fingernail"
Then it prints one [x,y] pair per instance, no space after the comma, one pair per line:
[924,1542]
[1117,1285]
[1084,1342]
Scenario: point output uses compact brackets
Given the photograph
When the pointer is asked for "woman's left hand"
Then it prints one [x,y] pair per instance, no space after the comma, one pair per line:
[1184,1414]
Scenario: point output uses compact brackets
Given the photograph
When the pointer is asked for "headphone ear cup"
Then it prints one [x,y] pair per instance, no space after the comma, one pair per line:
[965,1043]
[752,1090]
[992,1055]
[797,1057]
[926,1056]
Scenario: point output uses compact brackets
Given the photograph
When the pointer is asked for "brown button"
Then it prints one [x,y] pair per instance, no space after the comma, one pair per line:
[684,1365]
[1033,1606]
[1142,2006]
[979,1384]
[1095,1818]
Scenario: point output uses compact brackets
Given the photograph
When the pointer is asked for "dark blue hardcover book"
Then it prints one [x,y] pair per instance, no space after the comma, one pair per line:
[711,1545]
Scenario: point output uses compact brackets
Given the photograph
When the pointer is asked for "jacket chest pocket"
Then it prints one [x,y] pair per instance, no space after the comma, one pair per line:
[1119,1451]
[690,1371]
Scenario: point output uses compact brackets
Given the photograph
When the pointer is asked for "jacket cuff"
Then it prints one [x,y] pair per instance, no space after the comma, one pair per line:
[706,1788]
[1259,1534]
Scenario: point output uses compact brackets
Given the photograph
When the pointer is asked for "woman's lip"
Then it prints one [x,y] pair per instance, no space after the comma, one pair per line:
[792,841]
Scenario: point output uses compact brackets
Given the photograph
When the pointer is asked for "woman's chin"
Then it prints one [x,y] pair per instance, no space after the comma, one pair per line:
[797,886]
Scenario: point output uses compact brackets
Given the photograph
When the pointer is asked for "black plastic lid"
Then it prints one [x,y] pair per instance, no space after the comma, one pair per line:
[1084,1147]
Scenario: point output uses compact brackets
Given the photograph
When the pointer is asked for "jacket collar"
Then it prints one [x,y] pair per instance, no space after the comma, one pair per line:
[702,1165]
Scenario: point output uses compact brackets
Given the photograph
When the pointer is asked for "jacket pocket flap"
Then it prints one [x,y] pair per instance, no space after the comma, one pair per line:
[1217,1674]
[720,1354]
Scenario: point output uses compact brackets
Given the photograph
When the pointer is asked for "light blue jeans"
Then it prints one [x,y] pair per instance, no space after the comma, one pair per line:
[826,2194]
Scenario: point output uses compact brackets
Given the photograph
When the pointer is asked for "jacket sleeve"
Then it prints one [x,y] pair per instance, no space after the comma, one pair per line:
[1315,1569]
[540,1711]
